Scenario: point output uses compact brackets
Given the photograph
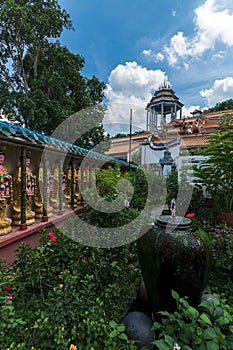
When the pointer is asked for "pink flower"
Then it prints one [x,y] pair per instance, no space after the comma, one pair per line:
[7,288]
[126,203]
[190,215]
[9,297]
[52,237]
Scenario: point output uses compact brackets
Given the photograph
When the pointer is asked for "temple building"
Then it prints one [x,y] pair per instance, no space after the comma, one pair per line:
[162,105]
[168,129]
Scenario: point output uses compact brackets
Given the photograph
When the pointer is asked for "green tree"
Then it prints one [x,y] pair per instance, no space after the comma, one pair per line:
[41,81]
[25,28]
[59,89]
[221,106]
[216,173]
[120,135]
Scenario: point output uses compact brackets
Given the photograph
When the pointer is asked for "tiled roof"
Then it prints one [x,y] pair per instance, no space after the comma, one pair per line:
[209,123]
[16,133]
[194,141]
[145,135]
[218,114]
[117,149]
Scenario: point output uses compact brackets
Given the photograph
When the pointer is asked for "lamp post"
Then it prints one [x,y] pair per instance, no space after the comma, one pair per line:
[166,160]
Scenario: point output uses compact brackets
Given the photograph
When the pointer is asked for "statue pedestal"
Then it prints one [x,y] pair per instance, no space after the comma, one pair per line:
[5,226]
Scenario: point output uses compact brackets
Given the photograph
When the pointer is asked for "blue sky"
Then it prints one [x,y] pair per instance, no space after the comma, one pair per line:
[134,45]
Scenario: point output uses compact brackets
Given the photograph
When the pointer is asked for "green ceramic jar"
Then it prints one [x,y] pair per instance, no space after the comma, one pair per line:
[174,257]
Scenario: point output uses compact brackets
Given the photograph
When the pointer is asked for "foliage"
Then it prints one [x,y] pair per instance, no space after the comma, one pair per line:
[179,192]
[192,329]
[65,293]
[119,136]
[41,81]
[221,106]
[22,32]
[172,186]
[221,277]
[216,173]
[113,184]
[116,204]
[194,152]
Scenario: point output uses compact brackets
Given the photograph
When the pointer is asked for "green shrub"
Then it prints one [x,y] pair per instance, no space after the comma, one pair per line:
[192,329]
[65,293]
[216,173]
[221,276]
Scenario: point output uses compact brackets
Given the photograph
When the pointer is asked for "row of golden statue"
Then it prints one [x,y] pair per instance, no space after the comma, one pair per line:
[10,193]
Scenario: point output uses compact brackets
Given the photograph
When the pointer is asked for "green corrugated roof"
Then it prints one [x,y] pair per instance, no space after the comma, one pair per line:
[15,131]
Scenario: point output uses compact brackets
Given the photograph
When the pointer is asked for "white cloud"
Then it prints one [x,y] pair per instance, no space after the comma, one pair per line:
[159,57]
[186,111]
[130,86]
[178,47]
[213,23]
[147,52]
[174,13]
[221,90]
[154,57]
[218,55]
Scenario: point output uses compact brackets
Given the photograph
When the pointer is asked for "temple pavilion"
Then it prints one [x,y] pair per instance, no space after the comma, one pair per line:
[168,129]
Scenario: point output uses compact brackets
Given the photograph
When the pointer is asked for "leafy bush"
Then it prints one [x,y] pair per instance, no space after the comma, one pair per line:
[221,277]
[65,293]
[192,329]
[216,173]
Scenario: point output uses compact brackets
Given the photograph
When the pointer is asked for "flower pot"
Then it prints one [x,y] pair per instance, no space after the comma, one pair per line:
[172,257]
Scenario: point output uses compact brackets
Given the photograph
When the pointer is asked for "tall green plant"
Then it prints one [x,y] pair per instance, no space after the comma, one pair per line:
[216,173]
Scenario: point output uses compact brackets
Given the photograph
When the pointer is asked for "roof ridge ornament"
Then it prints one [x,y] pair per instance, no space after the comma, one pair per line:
[165,85]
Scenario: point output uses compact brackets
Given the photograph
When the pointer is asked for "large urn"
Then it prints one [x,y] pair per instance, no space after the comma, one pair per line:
[173,256]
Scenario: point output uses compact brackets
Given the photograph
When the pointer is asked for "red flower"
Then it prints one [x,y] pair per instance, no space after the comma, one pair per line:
[52,237]
[7,288]
[190,215]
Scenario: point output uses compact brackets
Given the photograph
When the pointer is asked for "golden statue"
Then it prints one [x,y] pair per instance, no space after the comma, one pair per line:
[5,197]
[39,190]
[67,191]
[30,192]
[77,181]
[54,197]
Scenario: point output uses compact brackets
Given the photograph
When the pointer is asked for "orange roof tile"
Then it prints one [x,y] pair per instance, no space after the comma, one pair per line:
[116,149]
[217,114]
[194,141]
[134,137]
[209,123]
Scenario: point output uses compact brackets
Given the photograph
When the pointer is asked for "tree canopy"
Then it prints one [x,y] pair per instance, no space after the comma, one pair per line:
[222,106]
[40,80]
